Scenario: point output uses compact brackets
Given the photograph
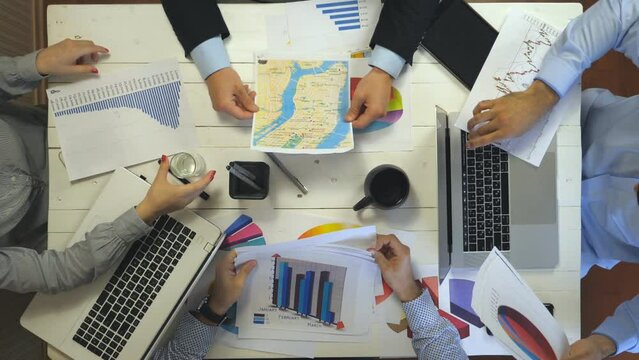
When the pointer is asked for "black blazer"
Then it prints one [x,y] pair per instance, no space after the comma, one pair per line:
[195,21]
[402,25]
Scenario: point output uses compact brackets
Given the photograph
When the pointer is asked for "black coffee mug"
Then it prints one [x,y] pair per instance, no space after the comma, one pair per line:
[386,187]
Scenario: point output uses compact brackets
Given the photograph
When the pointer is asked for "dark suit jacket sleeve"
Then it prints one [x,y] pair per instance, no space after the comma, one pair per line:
[195,21]
[402,24]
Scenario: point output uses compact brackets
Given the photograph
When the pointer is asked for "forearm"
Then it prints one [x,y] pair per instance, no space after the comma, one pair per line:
[24,270]
[192,340]
[608,24]
[18,75]
[623,327]
[434,338]
[402,24]
[195,21]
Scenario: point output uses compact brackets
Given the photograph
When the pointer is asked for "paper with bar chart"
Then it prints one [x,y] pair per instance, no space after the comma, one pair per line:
[122,119]
[309,289]
[511,66]
[320,25]
[305,291]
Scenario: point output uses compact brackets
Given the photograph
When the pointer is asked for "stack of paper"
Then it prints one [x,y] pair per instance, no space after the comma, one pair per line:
[318,289]
[510,309]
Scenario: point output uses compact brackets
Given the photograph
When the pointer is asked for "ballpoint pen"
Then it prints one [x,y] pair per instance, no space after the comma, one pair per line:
[288,174]
[204,195]
[237,173]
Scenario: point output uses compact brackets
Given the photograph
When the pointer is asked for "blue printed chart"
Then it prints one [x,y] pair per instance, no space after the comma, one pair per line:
[309,289]
[122,118]
[345,14]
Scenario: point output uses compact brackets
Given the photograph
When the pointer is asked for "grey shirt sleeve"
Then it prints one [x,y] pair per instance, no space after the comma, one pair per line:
[192,340]
[24,270]
[434,338]
[18,75]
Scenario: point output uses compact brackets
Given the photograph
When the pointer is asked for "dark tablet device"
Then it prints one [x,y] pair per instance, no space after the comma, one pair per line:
[460,39]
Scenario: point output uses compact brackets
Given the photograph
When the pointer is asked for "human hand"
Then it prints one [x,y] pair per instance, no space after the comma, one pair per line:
[228,94]
[594,347]
[393,259]
[164,197]
[370,99]
[229,282]
[510,115]
[69,57]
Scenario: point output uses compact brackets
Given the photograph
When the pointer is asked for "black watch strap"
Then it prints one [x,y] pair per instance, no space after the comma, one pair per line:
[205,311]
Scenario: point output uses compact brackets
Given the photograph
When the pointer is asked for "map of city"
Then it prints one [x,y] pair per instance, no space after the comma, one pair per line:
[302,107]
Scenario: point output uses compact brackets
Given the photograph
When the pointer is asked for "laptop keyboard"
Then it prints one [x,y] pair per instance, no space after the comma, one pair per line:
[485,198]
[132,288]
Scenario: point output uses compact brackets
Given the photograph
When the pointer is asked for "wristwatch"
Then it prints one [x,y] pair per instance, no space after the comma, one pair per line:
[209,315]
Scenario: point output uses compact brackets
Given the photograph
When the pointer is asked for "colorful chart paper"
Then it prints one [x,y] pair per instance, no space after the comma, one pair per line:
[525,334]
[394,110]
[462,328]
[461,296]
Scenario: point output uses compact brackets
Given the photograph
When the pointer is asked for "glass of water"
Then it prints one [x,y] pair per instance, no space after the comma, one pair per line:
[187,165]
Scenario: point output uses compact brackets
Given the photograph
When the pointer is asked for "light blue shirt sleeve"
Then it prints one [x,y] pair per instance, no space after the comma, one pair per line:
[608,24]
[192,340]
[210,56]
[434,338]
[387,60]
[623,327]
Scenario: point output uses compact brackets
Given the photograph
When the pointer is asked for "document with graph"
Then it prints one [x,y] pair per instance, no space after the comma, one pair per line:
[315,292]
[122,119]
[514,314]
[511,66]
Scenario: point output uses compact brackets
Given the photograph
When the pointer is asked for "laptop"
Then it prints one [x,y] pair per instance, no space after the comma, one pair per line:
[126,312]
[487,198]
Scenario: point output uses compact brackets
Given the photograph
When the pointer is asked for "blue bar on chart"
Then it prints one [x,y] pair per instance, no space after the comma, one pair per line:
[313,296]
[161,103]
[345,13]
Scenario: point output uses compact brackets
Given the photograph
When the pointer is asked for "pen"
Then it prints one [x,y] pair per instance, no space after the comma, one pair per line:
[203,194]
[288,174]
[243,178]
[243,171]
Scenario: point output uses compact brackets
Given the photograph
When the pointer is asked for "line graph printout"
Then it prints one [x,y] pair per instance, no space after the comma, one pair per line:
[512,65]
[122,118]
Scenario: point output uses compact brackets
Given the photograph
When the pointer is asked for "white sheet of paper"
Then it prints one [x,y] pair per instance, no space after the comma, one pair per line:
[393,132]
[122,119]
[512,65]
[514,314]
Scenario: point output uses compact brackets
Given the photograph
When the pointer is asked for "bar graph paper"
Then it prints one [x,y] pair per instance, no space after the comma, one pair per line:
[309,289]
[156,95]
[122,118]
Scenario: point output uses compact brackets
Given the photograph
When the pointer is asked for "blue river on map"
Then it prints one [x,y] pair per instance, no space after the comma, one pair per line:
[341,129]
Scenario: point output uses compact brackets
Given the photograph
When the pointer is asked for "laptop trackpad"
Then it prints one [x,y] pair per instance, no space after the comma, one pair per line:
[533,191]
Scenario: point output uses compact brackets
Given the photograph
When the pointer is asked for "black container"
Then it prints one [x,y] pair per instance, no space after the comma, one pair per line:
[240,190]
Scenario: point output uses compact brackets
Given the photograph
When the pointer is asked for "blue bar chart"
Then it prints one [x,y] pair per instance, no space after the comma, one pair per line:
[344,13]
[157,96]
[309,289]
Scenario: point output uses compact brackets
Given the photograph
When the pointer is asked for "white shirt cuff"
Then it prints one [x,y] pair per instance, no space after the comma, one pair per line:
[387,60]
[210,56]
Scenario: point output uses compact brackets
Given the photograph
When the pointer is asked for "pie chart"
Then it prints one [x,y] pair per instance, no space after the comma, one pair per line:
[394,110]
[524,334]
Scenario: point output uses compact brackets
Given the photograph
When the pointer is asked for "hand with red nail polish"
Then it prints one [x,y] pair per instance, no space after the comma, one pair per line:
[69,57]
[164,197]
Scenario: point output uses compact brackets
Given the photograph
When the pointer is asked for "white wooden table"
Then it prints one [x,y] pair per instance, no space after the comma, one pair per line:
[138,34]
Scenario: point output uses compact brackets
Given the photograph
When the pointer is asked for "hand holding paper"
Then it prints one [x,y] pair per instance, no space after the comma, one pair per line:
[393,259]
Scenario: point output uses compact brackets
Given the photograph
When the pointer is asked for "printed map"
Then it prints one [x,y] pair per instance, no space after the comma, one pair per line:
[302,107]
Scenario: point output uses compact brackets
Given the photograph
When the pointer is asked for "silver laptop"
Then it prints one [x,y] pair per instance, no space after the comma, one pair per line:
[487,198]
[126,312]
